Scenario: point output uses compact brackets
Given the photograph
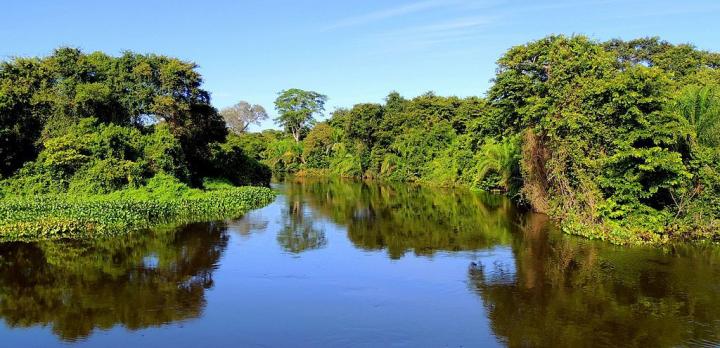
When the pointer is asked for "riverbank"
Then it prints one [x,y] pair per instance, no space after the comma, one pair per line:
[70,216]
[608,138]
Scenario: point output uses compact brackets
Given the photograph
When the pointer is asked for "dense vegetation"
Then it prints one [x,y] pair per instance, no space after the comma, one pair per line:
[62,216]
[137,129]
[619,140]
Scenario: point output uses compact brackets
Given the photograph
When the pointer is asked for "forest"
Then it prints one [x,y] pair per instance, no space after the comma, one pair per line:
[615,140]
[92,144]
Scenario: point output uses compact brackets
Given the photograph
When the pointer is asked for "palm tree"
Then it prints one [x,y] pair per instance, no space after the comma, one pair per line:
[499,157]
[701,107]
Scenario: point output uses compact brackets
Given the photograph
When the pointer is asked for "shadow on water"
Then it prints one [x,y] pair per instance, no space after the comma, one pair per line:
[570,293]
[139,281]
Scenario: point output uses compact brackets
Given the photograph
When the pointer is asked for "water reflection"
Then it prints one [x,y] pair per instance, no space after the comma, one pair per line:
[299,231]
[502,276]
[568,292]
[251,223]
[139,281]
[402,217]
[548,289]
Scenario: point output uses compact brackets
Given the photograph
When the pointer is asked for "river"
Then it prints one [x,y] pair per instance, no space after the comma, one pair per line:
[343,264]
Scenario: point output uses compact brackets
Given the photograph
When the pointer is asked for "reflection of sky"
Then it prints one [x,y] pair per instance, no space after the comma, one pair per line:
[498,265]
[344,296]
[151,261]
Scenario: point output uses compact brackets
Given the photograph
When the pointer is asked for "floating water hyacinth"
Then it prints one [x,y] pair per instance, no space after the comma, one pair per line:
[49,217]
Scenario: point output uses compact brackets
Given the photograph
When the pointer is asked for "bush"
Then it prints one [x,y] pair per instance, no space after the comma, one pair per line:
[229,161]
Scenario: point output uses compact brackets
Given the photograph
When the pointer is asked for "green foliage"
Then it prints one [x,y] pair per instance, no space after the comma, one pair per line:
[318,146]
[95,158]
[41,97]
[700,105]
[607,151]
[498,164]
[230,161]
[163,201]
[679,61]
[87,139]
[164,154]
[255,144]
[296,109]
[345,163]
[617,139]
[284,155]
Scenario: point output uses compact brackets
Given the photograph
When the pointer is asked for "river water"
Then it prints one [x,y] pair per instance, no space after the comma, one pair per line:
[342,264]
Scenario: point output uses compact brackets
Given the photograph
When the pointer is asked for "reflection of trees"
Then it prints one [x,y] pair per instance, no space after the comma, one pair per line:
[299,232]
[405,217]
[252,222]
[568,292]
[139,281]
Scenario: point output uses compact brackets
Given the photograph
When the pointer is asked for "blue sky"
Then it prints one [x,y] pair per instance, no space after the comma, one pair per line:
[353,51]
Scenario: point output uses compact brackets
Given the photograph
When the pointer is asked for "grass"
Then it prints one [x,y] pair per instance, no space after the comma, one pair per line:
[71,216]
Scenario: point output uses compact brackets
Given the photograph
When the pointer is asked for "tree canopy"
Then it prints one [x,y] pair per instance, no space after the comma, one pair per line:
[241,115]
[125,118]
[297,109]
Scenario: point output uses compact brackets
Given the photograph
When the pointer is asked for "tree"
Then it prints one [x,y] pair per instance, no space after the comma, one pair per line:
[499,158]
[700,105]
[601,143]
[241,115]
[42,97]
[318,146]
[296,108]
[363,121]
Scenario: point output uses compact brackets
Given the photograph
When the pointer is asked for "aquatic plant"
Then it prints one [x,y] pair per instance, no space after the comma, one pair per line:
[63,216]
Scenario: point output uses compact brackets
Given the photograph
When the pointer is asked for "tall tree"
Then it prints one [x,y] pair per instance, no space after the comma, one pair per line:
[40,97]
[241,115]
[296,109]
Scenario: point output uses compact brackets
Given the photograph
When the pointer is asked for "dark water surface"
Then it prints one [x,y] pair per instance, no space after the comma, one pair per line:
[333,263]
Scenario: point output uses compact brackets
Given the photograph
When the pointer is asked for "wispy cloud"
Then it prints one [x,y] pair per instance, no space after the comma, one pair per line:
[429,23]
[389,13]
[459,24]
[427,36]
